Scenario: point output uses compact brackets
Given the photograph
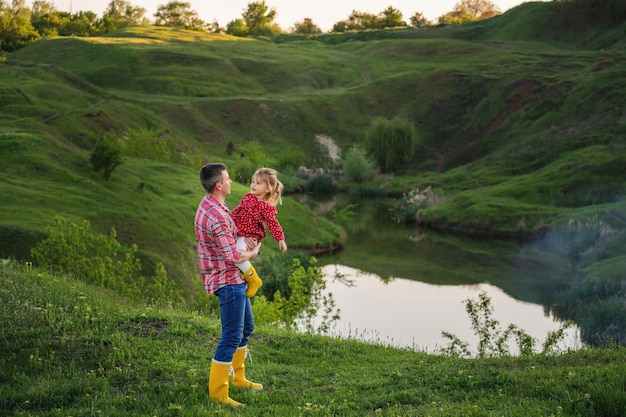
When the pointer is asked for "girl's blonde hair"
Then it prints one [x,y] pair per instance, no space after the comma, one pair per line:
[270,177]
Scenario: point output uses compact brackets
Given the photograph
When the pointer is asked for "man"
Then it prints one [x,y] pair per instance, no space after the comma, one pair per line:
[216,236]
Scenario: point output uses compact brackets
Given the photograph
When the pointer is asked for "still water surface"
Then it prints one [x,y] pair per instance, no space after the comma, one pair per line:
[402,286]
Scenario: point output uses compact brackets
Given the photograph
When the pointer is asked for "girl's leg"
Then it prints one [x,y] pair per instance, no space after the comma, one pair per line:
[248,272]
[241,245]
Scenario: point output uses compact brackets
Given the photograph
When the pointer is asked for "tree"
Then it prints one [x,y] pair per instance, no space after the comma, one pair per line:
[340,27]
[359,21]
[306,27]
[456,18]
[81,24]
[107,155]
[178,14]
[41,8]
[418,20]
[391,142]
[237,27]
[122,13]
[391,18]
[16,30]
[259,18]
[477,9]
[358,166]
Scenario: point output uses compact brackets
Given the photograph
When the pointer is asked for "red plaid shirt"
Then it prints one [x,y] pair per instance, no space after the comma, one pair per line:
[216,235]
[252,214]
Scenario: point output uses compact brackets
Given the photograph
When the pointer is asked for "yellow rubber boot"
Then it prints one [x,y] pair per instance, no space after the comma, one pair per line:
[218,384]
[253,280]
[239,379]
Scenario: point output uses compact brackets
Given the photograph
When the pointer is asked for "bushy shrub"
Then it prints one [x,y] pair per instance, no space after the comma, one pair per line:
[252,158]
[391,142]
[322,184]
[107,155]
[72,248]
[299,309]
[358,166]
[406,208]
[146,144]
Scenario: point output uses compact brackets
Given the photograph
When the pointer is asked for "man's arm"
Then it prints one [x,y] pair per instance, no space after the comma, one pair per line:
[246,255]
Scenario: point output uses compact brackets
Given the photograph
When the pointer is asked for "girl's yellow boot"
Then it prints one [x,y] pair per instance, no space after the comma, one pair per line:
[218,384]
[253,280]
[239,378]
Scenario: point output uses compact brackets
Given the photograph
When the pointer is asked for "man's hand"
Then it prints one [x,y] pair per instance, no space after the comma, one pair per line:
[246,255]
[250,242]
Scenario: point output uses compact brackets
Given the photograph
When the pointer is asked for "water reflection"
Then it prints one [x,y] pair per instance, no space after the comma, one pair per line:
[412,314]
[417,279]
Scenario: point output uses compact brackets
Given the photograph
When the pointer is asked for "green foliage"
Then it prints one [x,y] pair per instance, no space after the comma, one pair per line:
[16,31]
[275,273]
[298,307]
[178,14]
[321,184]
[290,158]
[122,13]
[259,18]
[147,144]
[306,27]
[72,249]
[388,18]
[492,341]
[252,158]
[406,208]
[107,155]
[358,166]
[391,142]
[237,27]
[597,301]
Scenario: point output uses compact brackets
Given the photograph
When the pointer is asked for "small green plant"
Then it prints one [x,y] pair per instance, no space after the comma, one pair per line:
[146,144]
[107,155]
[299,308]
[321,184]
[345,213]
[358,166]
[492,341]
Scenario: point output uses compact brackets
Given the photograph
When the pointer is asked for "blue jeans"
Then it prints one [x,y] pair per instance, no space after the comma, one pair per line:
[237,321]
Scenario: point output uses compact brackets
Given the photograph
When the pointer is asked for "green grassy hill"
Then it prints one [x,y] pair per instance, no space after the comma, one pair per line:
[521,123]
[73,349]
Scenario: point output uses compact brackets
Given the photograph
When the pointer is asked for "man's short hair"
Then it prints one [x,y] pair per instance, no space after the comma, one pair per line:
[211,174]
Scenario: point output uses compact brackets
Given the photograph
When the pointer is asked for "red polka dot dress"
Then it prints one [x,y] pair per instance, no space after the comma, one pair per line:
[252,215]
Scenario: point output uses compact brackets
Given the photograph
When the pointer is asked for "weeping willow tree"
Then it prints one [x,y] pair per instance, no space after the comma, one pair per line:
[391,142]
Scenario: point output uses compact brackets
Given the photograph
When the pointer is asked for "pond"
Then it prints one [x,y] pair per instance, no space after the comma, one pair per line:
[403,286]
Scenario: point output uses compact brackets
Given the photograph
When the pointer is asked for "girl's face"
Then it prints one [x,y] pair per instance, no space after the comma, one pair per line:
[259,188]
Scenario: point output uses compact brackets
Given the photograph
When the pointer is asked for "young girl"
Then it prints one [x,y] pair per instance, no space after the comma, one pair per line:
[257,209]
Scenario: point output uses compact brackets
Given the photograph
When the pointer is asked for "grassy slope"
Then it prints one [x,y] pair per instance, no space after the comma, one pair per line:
[517,135]
[72,349]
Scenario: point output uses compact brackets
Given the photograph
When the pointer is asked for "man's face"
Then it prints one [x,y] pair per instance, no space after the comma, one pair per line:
[224,184]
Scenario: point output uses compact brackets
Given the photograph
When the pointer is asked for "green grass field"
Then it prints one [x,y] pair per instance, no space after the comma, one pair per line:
[73,349]
[521,124]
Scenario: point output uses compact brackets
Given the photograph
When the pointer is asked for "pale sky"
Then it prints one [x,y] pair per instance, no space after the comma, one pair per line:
[324,13]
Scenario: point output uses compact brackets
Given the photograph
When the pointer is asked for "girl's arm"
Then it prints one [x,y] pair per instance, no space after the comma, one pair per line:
[276,230]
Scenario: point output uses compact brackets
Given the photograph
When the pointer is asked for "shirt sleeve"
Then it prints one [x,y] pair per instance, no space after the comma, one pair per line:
[269,214]
[225,241]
